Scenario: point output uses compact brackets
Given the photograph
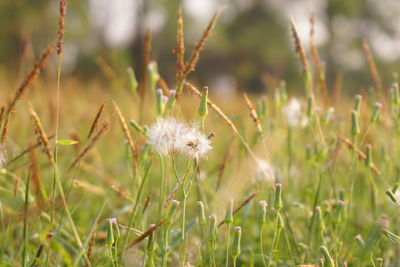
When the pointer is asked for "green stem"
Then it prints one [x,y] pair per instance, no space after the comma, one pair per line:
[261,245]
[227,245]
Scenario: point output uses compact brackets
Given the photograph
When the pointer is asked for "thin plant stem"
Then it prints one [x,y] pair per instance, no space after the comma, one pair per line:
[227,245]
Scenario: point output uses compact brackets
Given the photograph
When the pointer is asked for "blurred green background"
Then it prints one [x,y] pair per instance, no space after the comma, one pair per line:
[250,49]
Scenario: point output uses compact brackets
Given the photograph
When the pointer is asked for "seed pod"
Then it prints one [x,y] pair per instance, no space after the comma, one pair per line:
[236,242]
[278,197]
[375,112]
[203,109]
[357,103]
[229,212]
[368,157]
[202,217]
[355,127]
[262,211]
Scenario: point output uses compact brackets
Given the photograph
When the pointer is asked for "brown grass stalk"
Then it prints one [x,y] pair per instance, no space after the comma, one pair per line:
[238,208]
[317,61]
[148,232]
[90,145]
[180,48]
[253,113]
[372,68]
[131,143]
[222,167]
[195,55]
[35,177]
[96,121]
[298,46]
[40,65]
[42,135]
[61,26]
[34,146]
[360,154]
[145,62]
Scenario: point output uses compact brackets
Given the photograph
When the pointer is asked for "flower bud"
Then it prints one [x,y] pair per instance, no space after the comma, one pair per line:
[202,217]
[278,197]
[203,109]
[375,112]
[133,84]
[368,156]
[236,242]
[262,211]
[355,127]
[229,212]
[160,101]
[357,103]
[213,231]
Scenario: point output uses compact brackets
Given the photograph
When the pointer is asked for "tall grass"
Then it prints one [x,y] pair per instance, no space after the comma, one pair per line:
[296,182]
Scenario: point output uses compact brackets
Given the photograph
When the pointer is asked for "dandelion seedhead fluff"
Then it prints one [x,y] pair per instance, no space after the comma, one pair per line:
[169,135]
[293,113]
[264,172]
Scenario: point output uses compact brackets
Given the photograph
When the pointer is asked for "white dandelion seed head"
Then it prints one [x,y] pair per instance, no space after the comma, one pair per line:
[164,134]
[264,172]
[169,135]
[193,143]
[293,113]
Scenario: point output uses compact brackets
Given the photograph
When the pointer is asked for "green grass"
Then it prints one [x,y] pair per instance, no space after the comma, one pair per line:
[331,198]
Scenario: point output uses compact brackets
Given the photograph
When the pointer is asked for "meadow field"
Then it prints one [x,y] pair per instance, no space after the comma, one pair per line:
[124,169]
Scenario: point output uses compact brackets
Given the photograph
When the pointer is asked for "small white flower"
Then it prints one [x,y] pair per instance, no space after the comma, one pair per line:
[265,171]
[293,113]
[169,135]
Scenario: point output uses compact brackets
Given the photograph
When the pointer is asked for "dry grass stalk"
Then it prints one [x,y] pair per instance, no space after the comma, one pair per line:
[180,47]
[148,232]
[90,246]
[195,55]
[90,145]
[35,177]
[360,154]
[317,61]
[2,110]
[61,26]
[105,68]
[5,129]
[40,65]
[298,45]
[224,162]
[247,200]
[132,145]
[372,67]
[27,150]
[171,195]
[253,113]
[146,203]
[96,121]
[42,136]
[145,62]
